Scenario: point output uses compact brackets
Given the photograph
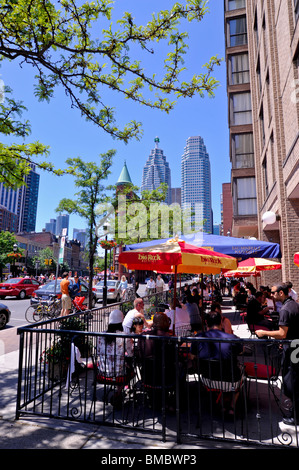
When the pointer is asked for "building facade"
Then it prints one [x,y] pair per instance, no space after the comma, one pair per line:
[22,202]
[156,171]
[266,32]
[243,177]
[196,184]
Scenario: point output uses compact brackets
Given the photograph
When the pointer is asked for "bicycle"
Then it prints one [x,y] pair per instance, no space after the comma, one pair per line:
[42,311]
[129,295]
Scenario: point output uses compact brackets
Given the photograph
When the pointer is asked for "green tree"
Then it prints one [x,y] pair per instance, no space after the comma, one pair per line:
[88,177]
[76,45]
[7,242]
[42,256]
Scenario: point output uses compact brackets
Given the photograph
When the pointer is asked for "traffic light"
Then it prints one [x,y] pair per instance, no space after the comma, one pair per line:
[50,261]
[46,261]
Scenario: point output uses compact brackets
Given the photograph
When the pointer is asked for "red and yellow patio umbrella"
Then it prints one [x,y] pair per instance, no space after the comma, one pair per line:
[296,259]
[255,265]
[237,273]
[177,256]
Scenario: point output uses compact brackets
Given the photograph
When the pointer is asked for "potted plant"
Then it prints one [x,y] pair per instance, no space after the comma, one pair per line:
[57,359]
[107,244]
[57,356]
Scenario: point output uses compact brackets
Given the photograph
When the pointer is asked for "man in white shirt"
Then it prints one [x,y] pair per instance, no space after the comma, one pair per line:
[151,286]
[137,311]
[159,284]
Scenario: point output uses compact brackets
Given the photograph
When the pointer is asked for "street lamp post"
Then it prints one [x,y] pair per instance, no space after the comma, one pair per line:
[106,230]
[15,248]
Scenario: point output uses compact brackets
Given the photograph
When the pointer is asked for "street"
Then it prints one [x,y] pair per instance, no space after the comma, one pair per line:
[17,308]
[9,339]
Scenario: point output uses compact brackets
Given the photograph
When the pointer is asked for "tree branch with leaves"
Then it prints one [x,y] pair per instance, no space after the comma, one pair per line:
[76,46]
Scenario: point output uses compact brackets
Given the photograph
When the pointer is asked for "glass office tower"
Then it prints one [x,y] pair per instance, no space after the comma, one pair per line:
[196,184]
[156,171]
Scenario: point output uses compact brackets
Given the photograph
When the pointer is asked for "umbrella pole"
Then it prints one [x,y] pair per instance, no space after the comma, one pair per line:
[174,297]
[202,303]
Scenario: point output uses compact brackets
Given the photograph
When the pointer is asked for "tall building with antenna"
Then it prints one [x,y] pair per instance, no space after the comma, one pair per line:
[196,184]
[156,171]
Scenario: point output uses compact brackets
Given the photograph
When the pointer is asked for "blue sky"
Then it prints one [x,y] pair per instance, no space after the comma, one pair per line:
[69,135]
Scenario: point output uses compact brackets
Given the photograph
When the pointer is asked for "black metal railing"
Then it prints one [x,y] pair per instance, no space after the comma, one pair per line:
[70,369]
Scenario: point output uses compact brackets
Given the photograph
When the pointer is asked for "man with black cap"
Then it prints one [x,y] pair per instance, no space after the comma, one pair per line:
[288,329]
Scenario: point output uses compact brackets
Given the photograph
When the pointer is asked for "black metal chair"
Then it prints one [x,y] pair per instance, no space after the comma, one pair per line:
[266,371]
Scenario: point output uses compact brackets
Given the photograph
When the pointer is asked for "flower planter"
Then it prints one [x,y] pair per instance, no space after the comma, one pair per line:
[57,371]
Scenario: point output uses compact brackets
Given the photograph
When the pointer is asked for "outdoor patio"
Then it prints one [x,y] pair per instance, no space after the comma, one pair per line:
[187,413]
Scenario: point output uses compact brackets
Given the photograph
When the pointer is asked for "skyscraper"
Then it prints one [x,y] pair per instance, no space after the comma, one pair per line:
[23,201]
[62,221]
[196,183]
[156,171]
[51,226]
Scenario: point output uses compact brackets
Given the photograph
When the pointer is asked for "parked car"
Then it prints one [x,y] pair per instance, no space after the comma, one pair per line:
[113,290]
[5,315]
[45,292]
[20,287]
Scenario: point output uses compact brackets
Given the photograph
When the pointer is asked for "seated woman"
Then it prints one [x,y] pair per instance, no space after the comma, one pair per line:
[179,319]
[157,359]
[114,354]
[226,325]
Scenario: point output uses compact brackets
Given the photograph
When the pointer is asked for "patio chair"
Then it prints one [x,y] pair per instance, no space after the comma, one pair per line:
[221,378]
[112,380]
[266,371]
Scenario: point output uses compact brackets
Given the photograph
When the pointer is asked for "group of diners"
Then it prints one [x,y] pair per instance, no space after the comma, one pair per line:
[118,352]
[117,355]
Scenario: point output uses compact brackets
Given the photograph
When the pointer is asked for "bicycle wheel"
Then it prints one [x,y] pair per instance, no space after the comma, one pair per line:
[34,313]
[39,313]
[54,310]
[131,295]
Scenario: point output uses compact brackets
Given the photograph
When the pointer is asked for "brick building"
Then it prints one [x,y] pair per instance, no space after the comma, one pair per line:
[226,209]
[262,54]
[34,242]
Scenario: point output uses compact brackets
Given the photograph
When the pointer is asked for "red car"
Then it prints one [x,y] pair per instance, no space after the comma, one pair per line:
[19,287]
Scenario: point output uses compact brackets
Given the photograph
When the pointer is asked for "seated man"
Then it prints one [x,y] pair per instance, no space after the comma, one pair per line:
[216,350]
[256,312]
[224,370]
[137,311]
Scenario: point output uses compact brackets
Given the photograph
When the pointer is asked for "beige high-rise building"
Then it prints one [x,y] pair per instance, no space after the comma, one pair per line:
[262,55]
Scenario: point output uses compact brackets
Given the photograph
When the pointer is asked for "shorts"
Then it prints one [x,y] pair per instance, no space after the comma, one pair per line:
[66,302]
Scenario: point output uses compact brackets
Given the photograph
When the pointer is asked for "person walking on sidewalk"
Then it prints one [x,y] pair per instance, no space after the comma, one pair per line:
[66,301]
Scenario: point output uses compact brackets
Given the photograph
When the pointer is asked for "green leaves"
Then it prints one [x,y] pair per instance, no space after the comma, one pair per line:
[70,44]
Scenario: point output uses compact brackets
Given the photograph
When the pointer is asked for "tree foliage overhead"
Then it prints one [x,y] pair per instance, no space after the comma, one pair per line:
[77,46]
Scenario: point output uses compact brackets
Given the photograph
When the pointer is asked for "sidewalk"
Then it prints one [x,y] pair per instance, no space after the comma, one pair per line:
[45,433]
